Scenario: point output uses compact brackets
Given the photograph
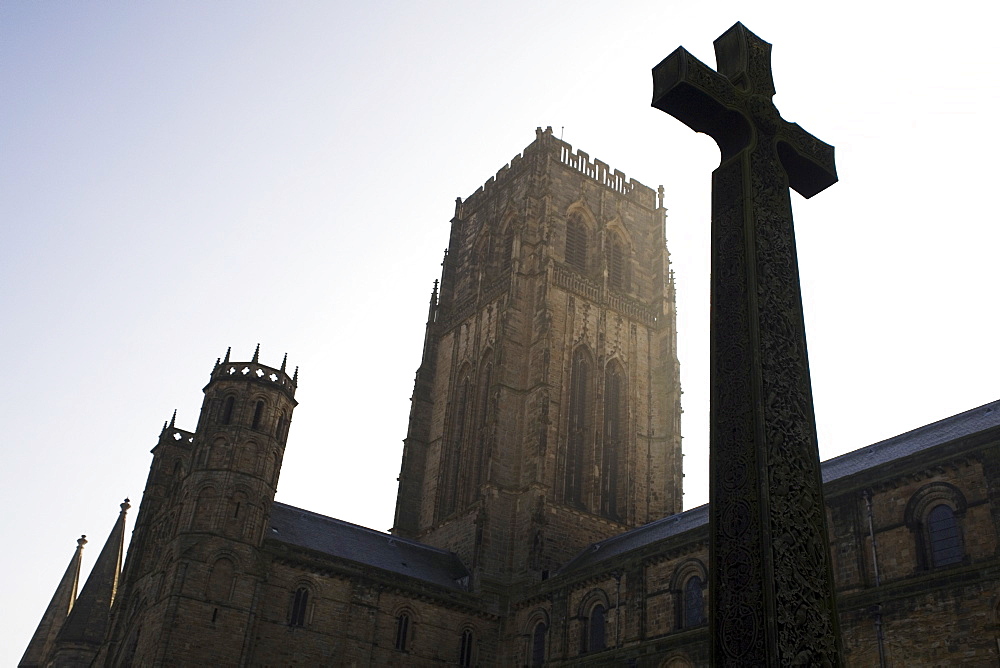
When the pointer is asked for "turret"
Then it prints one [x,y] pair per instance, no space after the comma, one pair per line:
[194,561]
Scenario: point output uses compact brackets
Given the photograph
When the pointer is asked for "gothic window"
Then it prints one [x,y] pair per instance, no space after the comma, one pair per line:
[617,275]
[300,601]
[934,515]
[594,637]
[538,644]
[403,632]
[227,410]
[507,247]
[454,462]
[258,411]
[615,418]
[482,436]
[943,537]
[579,426]
[693,603]
[576,243]
[465,649]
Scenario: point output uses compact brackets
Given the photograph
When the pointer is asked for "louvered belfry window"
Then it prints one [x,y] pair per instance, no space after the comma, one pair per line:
[576,243]
[616,265]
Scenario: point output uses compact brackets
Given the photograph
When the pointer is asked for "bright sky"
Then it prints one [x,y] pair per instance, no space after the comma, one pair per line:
[179,177]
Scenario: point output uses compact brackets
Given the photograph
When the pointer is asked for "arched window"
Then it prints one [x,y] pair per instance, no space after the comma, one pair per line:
[615,418]
[580,410]
[943,537]
[258,411]
[402,632]
[538,644]
[465,649]
[300,602]
[617,274]
[220,580]
[594,639]
[227,410]
[693,603]
[203,509]
[934,515]
[279,429]
[576,243]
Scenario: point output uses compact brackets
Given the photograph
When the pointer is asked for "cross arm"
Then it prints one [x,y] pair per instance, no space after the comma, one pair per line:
[808,161]
[704,100]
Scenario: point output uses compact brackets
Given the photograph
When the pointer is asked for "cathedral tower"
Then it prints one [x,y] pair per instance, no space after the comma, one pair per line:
[194,564]
[546,409]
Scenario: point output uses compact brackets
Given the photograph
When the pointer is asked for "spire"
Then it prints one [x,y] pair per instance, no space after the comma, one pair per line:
[87,623]
[228,350]
[256,355]
[218,361]
[295,378]
[55,614]
[173,419]
[284,362]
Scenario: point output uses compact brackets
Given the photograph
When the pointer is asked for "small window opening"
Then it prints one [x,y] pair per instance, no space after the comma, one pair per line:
[227,410]
[694,603]
[299,603]
[595,630]
[945,540]
[402,631]
[465,650]
[538,644]
[257,411]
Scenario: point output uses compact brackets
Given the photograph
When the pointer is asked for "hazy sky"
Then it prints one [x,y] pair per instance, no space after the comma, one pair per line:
[180,177]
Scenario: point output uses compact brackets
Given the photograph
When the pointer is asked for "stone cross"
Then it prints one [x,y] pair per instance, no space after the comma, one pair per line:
[770,582]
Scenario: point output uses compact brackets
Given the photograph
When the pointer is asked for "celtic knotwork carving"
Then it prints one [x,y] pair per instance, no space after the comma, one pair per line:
[769,549]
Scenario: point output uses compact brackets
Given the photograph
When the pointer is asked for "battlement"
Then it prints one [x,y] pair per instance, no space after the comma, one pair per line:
[576,160]
[254,371]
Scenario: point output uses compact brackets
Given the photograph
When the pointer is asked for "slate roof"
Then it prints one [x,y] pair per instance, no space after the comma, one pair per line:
[923,438]
[368,547]
[892,449]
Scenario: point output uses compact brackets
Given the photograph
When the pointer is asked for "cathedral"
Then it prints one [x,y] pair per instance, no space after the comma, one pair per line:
[538,519]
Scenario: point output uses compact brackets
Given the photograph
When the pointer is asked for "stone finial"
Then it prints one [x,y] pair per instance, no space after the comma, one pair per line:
[228,350]
[659,197]
[81,541]
[173,419]
[295,377]
[284,362]
[218,361]
[256,355]
[125,505]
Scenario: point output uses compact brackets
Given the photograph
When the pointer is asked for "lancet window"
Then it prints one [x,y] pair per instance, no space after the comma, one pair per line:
[578,440]
[576,243]
[617,274]
[614,441]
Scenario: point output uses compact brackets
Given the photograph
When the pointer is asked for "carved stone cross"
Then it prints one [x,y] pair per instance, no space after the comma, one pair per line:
[770,582]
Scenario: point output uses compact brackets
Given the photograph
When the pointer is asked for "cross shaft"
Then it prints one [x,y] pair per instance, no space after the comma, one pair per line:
[770,585]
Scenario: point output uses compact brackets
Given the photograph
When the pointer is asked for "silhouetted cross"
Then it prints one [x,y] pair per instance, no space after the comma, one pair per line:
[734,107]
[770,580]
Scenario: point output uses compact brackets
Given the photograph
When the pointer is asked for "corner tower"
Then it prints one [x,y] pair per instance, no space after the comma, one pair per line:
[546,409]
[194,563]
